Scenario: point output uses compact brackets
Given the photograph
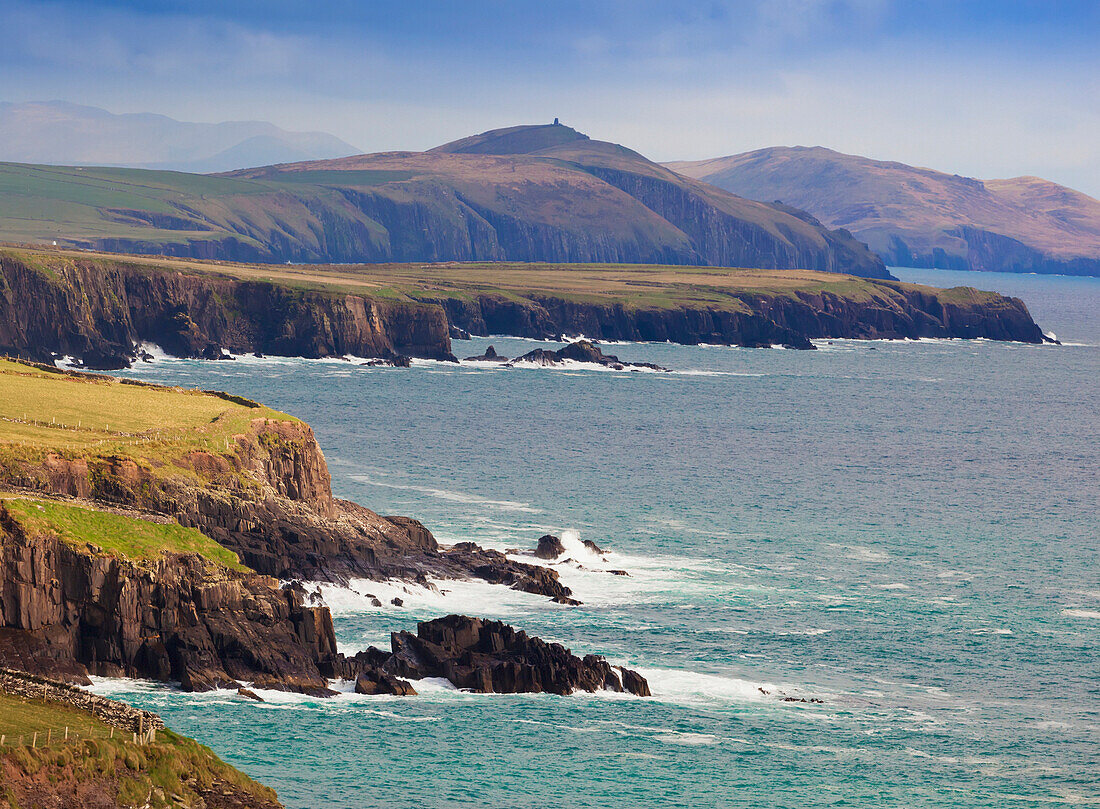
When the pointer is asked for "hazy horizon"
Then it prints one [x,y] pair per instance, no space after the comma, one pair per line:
[984,91]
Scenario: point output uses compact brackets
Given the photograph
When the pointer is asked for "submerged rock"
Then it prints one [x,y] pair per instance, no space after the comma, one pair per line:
[393,361]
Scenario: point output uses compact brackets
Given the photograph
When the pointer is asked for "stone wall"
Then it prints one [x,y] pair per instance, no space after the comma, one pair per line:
[111,713]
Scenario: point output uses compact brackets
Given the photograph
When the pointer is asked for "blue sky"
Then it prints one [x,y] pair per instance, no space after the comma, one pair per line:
[981,88]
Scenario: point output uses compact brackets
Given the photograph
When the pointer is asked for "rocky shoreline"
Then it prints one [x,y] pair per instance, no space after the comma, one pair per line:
[100,310]
[69,608]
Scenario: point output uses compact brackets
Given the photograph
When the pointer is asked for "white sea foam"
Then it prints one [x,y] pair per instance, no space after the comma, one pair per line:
[452,496]
[441,596]
[683,687]
[1078,613]
[575,365]
[688,739]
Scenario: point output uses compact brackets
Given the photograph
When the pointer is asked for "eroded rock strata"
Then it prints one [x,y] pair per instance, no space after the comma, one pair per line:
[68,608]
[896,311]
[100,310]
[489,657]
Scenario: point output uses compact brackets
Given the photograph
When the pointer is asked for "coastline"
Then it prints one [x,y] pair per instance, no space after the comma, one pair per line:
[204,309]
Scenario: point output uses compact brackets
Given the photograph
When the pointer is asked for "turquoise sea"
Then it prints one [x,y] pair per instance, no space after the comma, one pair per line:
[909,532]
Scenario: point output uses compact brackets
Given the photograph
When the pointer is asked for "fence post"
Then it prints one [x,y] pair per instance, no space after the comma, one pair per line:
[34,740]
[66,733]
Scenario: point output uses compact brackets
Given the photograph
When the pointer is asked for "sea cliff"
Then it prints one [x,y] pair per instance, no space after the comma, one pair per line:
[147,531]
[101,308]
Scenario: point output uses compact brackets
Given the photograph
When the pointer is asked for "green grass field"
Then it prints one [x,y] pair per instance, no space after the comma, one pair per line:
[71,413]
[20,717]
[116,535]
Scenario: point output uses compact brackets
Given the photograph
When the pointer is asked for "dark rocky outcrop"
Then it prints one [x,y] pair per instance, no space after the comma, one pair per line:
[549,547]
[490,355]
[396,361]
[374,681]
[582,351]
[489,656]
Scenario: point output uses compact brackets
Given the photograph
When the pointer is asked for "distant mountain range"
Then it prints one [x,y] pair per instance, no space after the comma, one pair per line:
[530,193]
[57,132]
[918,217]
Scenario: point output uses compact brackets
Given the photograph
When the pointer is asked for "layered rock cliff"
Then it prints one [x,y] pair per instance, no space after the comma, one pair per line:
[68,611]
[267,497]
[893,311]
[99,309]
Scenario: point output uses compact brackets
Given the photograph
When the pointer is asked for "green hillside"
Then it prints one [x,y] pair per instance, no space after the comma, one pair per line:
[524,194]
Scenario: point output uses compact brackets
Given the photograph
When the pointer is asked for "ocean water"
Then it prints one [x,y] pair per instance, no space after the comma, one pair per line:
[907,531]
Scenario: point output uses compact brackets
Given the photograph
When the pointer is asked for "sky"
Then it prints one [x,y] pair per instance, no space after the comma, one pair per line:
[984,88]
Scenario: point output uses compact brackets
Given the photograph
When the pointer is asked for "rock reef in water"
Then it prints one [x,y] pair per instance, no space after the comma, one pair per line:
[584,352]
[490,355]
[488,657]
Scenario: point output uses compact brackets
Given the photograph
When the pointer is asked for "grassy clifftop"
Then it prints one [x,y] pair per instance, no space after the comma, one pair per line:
[632,285]
[47,412]
[136,540]
[60,755]
[196,308]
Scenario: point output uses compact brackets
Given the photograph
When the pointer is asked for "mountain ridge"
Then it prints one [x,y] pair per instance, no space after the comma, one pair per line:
[62,133]
[921,217]
[541,193]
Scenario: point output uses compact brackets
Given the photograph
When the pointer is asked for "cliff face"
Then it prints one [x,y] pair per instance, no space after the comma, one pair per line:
[895,311]
[99,310]
[180,618]
[267,497]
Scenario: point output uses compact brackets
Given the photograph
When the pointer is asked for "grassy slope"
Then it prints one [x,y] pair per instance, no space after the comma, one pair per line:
[875,199]
[632,285]
[550,186]
[137,775]
[42,410]
[136,540]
